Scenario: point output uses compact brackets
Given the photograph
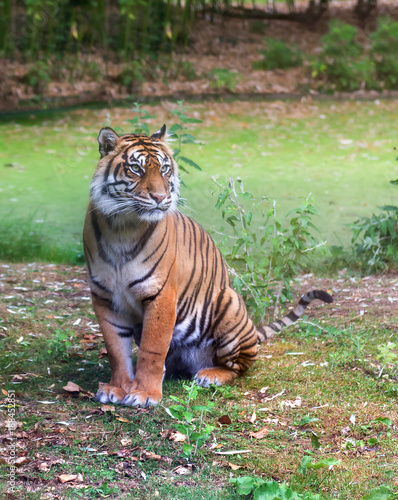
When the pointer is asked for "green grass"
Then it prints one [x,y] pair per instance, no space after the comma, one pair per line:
[281,150]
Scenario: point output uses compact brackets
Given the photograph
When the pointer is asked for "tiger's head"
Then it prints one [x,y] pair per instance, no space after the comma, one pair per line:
[136,178]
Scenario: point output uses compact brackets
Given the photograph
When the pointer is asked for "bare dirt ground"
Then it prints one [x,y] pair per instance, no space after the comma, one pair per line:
[227,43]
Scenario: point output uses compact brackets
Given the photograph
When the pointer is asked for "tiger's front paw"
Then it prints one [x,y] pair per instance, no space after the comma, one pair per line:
[109,394]
[142,398]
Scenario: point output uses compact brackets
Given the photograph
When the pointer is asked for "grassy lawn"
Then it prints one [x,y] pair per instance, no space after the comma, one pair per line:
[343,153]
[325,377]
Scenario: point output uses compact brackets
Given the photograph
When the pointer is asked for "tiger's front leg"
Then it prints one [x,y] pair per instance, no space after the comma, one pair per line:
[118,340]
[159,322]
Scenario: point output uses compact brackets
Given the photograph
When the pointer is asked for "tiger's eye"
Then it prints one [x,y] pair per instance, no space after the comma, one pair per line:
[164,168]
[135,168]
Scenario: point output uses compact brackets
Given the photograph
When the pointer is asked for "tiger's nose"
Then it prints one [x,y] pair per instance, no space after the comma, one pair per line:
[158,197]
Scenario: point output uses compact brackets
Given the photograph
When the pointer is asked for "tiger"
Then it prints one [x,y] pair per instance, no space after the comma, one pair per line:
[157,277]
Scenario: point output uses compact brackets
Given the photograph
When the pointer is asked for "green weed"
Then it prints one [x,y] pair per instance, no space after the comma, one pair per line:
[278,55]
[222,78]
[190,417]
[263,265]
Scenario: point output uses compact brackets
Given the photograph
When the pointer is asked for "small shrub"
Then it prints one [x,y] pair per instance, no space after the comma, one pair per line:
[222,78]
[257,488]
[263,266]
[258,27]
[278,55]
[384,50]
[188,71]
[38,77]
[375,239]
[340,62]
[94,71]
[190,418]
[132,76]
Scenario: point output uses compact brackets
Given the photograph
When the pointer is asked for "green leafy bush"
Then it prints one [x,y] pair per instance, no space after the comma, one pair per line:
[38,76]
[264,265]
[375,239]
[222,78]
[269,490]
[340,63]
[384,52]
[132,76]
[278,55]
[190,418]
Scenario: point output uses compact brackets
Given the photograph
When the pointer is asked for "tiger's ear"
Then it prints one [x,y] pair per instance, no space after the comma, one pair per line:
[160,134]
[108,140]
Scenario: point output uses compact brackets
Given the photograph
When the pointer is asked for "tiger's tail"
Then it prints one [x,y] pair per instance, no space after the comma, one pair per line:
[267,331]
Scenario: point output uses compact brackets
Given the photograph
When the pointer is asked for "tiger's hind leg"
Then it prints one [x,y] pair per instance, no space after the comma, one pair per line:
[235,340]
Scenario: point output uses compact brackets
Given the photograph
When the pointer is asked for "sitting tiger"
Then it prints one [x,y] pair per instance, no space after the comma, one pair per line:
[157,277]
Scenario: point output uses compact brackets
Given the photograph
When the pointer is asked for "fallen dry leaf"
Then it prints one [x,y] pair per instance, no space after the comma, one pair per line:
[234,466]
[44,467]
[106,408]
[183,470]
[121,419]
[259,434]
[66,478]
[71,387]
[125,441]
[148,455]
[4,392]
[224,420]
[21,461]
[292,404]
[75,389]
[253,417]
[175,436]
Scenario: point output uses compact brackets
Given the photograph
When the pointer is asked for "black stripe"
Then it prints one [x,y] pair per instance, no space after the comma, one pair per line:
[219,300]
[138,247]
[149,273]
[153,297]
[222,314]
[292,316]
[107,170]
[98,238]
[126,334]
[102,298]
[157,248]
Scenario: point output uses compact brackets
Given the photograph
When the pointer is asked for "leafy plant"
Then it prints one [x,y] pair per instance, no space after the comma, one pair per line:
[386,356]
[132,76]
[384,50]
[190,417]
[307,463]
[222,78]
[375,238]
[38,76]
[278,55]
[271,490]
[263,266]
[340,62]
[139,121]
[179,131]
[59,344]
[380,493]
[188,70]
